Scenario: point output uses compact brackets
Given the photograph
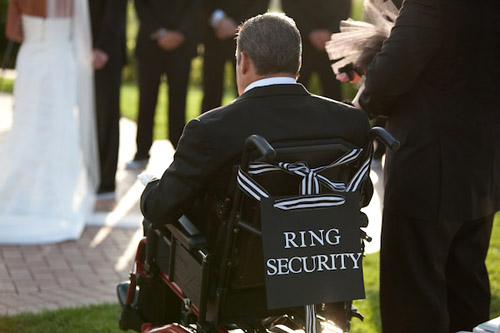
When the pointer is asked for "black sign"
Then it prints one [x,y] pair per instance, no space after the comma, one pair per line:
[312,255]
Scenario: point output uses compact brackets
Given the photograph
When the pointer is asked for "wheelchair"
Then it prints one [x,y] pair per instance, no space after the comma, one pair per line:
[210,276]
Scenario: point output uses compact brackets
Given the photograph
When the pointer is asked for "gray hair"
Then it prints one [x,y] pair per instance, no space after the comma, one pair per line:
[273,43]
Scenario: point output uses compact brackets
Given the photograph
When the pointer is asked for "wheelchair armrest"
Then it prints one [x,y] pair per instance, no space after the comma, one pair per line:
[187,234]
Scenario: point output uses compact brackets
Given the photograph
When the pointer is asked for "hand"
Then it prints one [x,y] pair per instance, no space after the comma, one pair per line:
[344,77]
[146,178]
[171,40]
[99,59]
[226,28]
[319,37]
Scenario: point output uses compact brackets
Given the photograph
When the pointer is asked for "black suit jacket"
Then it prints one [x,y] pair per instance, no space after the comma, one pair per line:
[317,14]
[436,79]
[211,142]
[180,15]
[108,19]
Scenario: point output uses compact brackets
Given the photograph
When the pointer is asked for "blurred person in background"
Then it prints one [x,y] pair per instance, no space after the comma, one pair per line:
[108,18]
[221,20]
[166,44]
[317,20]
[49,161]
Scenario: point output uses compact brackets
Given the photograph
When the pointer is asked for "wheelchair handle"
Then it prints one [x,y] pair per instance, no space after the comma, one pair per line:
[262,145]
[385,137]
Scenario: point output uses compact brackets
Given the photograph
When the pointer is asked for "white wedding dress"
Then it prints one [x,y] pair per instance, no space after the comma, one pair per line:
[45,191]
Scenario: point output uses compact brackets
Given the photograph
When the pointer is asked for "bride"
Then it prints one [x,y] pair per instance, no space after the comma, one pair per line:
[48,161]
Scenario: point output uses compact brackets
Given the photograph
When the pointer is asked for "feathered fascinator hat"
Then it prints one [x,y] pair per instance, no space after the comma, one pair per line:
[357,43]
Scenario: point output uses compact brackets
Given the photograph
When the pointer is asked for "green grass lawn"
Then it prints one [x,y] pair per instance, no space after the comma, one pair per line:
[100,318]
[104,318]
[7,86]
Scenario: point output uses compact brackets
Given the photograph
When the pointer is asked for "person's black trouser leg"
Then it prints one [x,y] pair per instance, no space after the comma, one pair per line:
[149,74]
[178,67]
[467,277]
[107,94]
[415,277]
[412,283]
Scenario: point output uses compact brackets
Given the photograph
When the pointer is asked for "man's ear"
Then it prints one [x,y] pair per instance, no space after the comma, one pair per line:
[300,66]
[244,62]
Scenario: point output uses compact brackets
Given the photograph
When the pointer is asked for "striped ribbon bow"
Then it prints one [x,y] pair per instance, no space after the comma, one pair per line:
[310,184]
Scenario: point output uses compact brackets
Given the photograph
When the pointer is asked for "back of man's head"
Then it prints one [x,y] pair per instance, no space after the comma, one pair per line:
[273,43]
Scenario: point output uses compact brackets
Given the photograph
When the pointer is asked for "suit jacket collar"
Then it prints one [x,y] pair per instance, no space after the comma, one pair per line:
[274,90]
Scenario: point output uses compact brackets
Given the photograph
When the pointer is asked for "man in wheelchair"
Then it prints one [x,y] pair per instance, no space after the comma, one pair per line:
[200,183]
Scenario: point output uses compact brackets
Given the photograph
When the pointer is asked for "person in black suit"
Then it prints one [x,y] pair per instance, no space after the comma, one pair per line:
[270,104]
[317,20]
[222,18]
[166,43]
[435,80]
[108,19]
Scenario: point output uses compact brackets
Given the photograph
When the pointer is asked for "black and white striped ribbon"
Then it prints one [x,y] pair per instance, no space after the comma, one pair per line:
[311,179]
[311,201]
[250,186]
[312,324]
[358,177]
[350,156]
[303,201]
